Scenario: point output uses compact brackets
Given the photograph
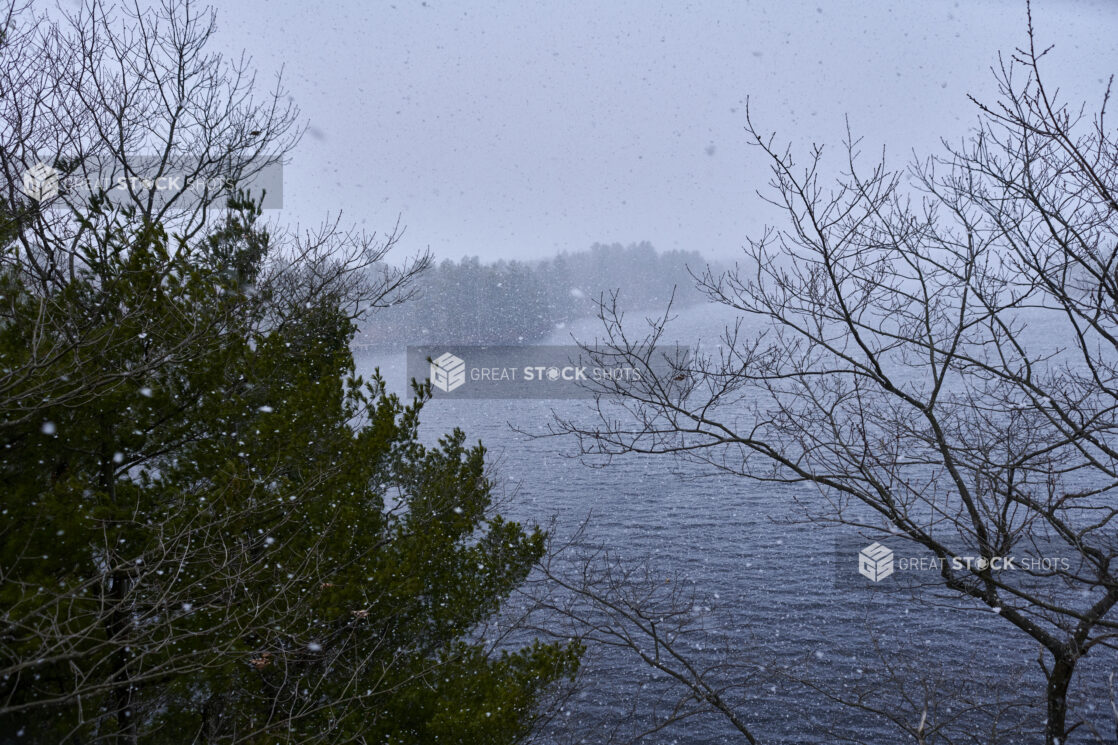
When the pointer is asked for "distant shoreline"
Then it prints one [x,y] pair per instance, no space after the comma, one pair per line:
[400,346]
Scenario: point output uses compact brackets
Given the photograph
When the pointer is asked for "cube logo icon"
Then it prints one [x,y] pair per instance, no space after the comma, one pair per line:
[448,372]
[40,182]
[875,562]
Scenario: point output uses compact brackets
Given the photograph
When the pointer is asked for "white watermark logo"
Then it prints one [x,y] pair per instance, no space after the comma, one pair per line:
[531,371]
[40,182]
[448,372]
[875,562]
[906,561]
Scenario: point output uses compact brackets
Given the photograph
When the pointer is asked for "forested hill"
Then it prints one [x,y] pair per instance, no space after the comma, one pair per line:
[515,302]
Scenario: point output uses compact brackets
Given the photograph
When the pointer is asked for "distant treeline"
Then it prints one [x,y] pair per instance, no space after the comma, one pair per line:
[516,302]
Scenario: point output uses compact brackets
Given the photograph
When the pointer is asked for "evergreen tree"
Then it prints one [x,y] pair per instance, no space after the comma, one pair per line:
[214,531]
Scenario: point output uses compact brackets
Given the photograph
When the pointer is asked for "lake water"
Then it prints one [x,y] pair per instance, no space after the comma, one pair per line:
[778,634]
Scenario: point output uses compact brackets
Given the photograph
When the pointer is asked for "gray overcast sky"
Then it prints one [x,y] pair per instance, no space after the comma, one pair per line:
[515,130]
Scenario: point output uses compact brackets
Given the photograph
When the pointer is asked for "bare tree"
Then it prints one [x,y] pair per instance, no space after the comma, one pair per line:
[935,352]
[119,95]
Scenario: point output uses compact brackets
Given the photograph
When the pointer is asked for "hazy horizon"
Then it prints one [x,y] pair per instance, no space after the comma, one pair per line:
[518,132]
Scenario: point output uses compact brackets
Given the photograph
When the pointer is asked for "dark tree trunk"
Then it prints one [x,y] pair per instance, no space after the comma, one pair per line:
[118,621]
[1059,678]
[122,682]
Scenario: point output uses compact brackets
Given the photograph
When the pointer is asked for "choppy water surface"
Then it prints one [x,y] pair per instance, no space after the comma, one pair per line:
[768,579]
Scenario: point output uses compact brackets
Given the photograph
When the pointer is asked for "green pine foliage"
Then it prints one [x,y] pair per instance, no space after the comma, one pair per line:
[214,531]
